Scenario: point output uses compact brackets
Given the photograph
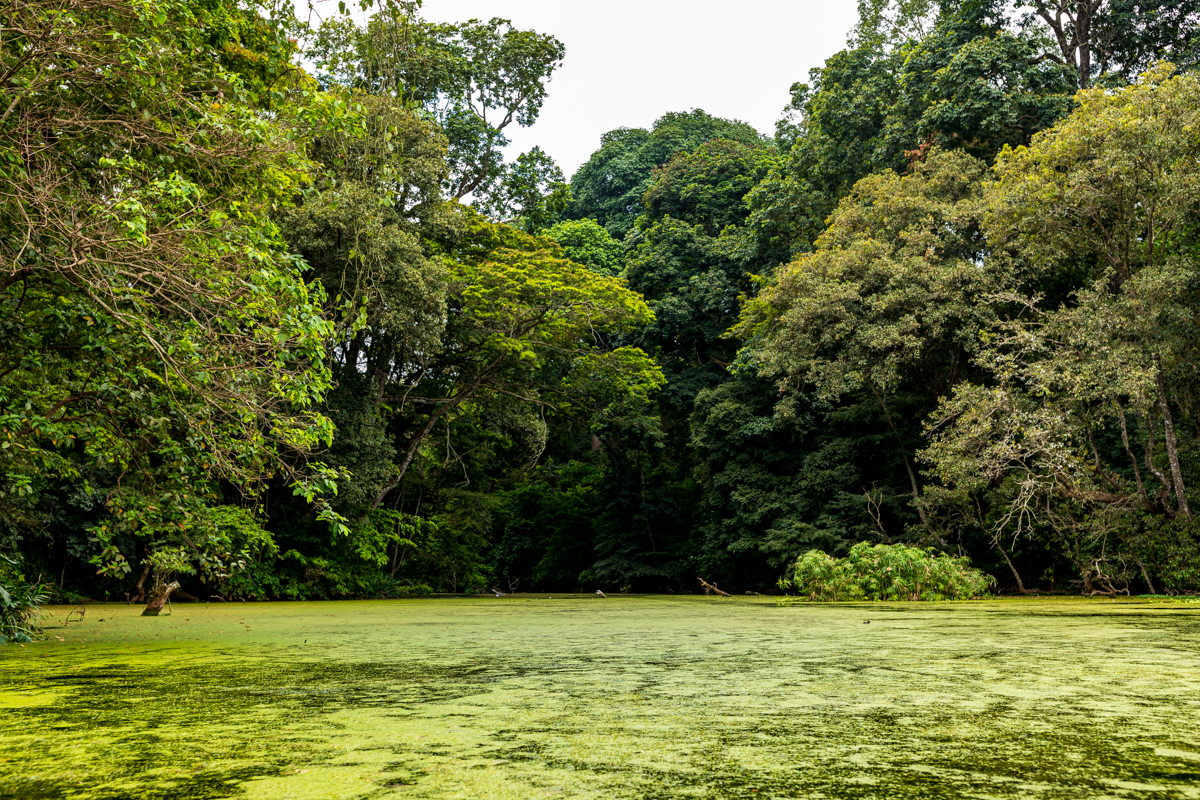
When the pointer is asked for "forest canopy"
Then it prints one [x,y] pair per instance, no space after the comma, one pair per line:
[283,317]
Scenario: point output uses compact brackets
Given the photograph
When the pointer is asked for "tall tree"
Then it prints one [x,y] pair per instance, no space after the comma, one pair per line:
[158,344]
[522,326]
[610,186]
[957,80]
[532,194]
[1083,433]
[476,78]
[885,300]
[1117,39]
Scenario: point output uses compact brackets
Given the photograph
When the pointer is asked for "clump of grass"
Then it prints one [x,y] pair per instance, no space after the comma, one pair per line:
[885,572]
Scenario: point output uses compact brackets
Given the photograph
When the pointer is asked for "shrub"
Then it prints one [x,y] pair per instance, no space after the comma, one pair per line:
[19,603]
[886,572]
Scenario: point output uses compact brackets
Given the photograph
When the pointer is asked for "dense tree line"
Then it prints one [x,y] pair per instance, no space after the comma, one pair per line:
[280,321]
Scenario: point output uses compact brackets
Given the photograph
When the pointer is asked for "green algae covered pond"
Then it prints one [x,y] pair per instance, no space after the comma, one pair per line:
[628,697]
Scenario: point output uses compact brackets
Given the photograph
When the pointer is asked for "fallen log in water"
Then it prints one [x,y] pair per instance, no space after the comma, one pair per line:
[711,588]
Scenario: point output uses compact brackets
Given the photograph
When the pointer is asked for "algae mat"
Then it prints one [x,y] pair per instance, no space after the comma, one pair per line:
[617,698]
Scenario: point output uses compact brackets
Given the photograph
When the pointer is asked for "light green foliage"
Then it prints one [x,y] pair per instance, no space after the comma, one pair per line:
[156,335]
[585,242]
[886,572]
[526,309]
[525,325]
[1083,429]
[383,535]
[180,536]
[887,291]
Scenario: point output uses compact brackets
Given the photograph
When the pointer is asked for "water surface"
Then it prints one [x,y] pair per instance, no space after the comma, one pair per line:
[618,698]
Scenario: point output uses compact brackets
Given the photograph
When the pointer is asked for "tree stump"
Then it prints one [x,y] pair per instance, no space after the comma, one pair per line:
[159,600]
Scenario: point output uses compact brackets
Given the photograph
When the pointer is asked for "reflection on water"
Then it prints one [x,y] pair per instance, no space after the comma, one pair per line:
[616,698]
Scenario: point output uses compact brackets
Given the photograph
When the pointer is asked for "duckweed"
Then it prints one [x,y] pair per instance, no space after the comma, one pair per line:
[626,697]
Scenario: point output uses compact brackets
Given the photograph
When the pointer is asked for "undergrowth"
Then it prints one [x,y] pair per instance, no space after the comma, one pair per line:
[884,572]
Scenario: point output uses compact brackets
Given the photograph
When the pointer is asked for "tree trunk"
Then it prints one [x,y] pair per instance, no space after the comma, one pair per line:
[1137,473]
[452,403]
[141,586]
[1146,577]
[912,476]
[1164,494]
[1020,584]
[1083,32]
[1071,23]
[413,447]
[158,601]
[1172,445]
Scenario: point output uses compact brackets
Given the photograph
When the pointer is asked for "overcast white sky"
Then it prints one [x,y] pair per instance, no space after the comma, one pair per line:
[630,61]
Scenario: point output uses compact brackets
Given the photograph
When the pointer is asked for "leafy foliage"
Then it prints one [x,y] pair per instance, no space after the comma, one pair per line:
[19,602]
[585,242]
[159,344]
[886,572]
[533,193]
[609,188]
[1047,444]
[474,78]
[254,342]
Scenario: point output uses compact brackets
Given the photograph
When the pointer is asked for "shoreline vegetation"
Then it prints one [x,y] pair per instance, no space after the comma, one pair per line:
[282,318]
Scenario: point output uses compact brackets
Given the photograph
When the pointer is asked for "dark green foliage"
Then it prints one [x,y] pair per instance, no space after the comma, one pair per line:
[234,290]
[610,187]
[968,83]
[1168,550]
[989,96]
[649,498]
[546,528]
[705,187]
[532,194]
[1131,35]
[693,286]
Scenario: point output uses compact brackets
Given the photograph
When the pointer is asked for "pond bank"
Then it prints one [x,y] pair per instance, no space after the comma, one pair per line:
[628,697]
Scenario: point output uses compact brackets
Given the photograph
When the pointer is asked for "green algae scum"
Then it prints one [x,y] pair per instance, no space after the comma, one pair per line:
[618,698]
